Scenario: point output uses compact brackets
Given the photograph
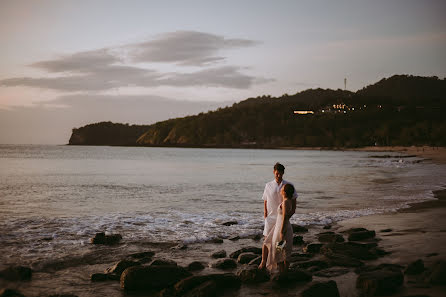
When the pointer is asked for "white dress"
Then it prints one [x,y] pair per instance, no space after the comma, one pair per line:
[275,256]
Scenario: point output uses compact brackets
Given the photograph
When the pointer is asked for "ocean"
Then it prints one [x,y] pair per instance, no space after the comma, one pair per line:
[53,199]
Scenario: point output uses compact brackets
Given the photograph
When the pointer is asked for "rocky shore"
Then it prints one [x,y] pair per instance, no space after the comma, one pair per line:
[382,255]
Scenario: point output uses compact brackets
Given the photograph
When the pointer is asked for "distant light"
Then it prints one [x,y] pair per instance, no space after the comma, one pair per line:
[303,112]
[353,108]
[323,110]
[345,111]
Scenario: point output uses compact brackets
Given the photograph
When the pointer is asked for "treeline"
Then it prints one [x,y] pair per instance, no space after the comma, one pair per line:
[401,110]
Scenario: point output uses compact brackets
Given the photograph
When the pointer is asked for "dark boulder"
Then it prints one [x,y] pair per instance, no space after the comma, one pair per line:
[225,263]
[245,258]
[327,227]
[251,274]
[343,260]
[189,285]
[99,277]
[298,240]
[320,264]
[361,235]
[229,223]
[355,251]
[416,267]
[298,228]
[163,262]
[380,280]
[10,293]
[216,240]
[101,238]
[234,238]
[219,254]
[151,277]
[313,248]
[437,274]
[16,273]
[142,255]
[119,267]
[386,230]
[293,276]
[317,289]
[330,237]
[257,237]
[195,266]
[332,272]
[250,249]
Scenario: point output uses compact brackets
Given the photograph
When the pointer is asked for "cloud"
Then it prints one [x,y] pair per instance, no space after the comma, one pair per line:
[188,48]
[103,69]
[51,122]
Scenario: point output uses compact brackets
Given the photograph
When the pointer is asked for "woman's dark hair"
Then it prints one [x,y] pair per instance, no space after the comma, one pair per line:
[289,190]
[279,167]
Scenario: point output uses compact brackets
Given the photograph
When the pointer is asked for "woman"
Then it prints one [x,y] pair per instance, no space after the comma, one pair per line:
[280,240]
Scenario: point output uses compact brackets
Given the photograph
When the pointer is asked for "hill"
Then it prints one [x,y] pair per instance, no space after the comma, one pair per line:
[400,110]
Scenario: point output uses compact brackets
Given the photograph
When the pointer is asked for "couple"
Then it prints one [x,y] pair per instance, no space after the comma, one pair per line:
[279,205]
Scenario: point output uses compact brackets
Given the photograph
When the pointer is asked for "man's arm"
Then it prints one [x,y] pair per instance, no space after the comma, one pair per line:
[265,210]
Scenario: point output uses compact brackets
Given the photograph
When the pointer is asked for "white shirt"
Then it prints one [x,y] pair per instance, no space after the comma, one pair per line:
[273,198]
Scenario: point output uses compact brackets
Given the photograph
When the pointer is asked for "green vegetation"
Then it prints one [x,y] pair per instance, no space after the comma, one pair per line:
[400,110]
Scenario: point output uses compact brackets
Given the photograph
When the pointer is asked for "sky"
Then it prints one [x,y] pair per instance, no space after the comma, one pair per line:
[65,64]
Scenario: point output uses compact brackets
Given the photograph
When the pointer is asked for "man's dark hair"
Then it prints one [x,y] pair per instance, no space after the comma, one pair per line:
[279,167]
[289,190]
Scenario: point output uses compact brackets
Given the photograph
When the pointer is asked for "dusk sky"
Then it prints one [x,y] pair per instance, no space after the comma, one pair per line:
[65,64]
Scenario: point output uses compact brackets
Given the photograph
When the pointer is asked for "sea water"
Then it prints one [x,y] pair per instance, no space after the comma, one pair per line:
[54,198]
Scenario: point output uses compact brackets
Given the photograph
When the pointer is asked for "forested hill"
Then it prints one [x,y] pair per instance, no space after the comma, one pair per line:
[400,110]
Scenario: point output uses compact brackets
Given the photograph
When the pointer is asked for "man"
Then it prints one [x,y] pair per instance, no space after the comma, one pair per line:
[271,201]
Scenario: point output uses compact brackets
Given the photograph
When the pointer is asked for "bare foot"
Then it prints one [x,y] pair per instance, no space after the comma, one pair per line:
[262,265]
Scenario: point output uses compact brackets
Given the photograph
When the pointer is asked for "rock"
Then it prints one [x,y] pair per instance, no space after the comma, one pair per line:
[385,230]
[181,247]
[251,274]
[380,280]
[256,261]
[208,288]
[225,263]
[360,252]
[293,276]
[313,263]
[330,237]
[230,223]
[326,227]
[119,267]
[142,255]
[343,260]
[151,277]
[332,272]
[432,255]
[62,295]
[297,240]
[437,274]
[216,240]
[234,238]
[298,257]
[99,277]
[186,287]
[10,293]
[101,238]
[313,248]
[16,273]
[195,266]
[219,254]
[416,267]
[163,262]
[257,237]
[317,289]
[250,249]
[361,235]
[299,229]
[245,258]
